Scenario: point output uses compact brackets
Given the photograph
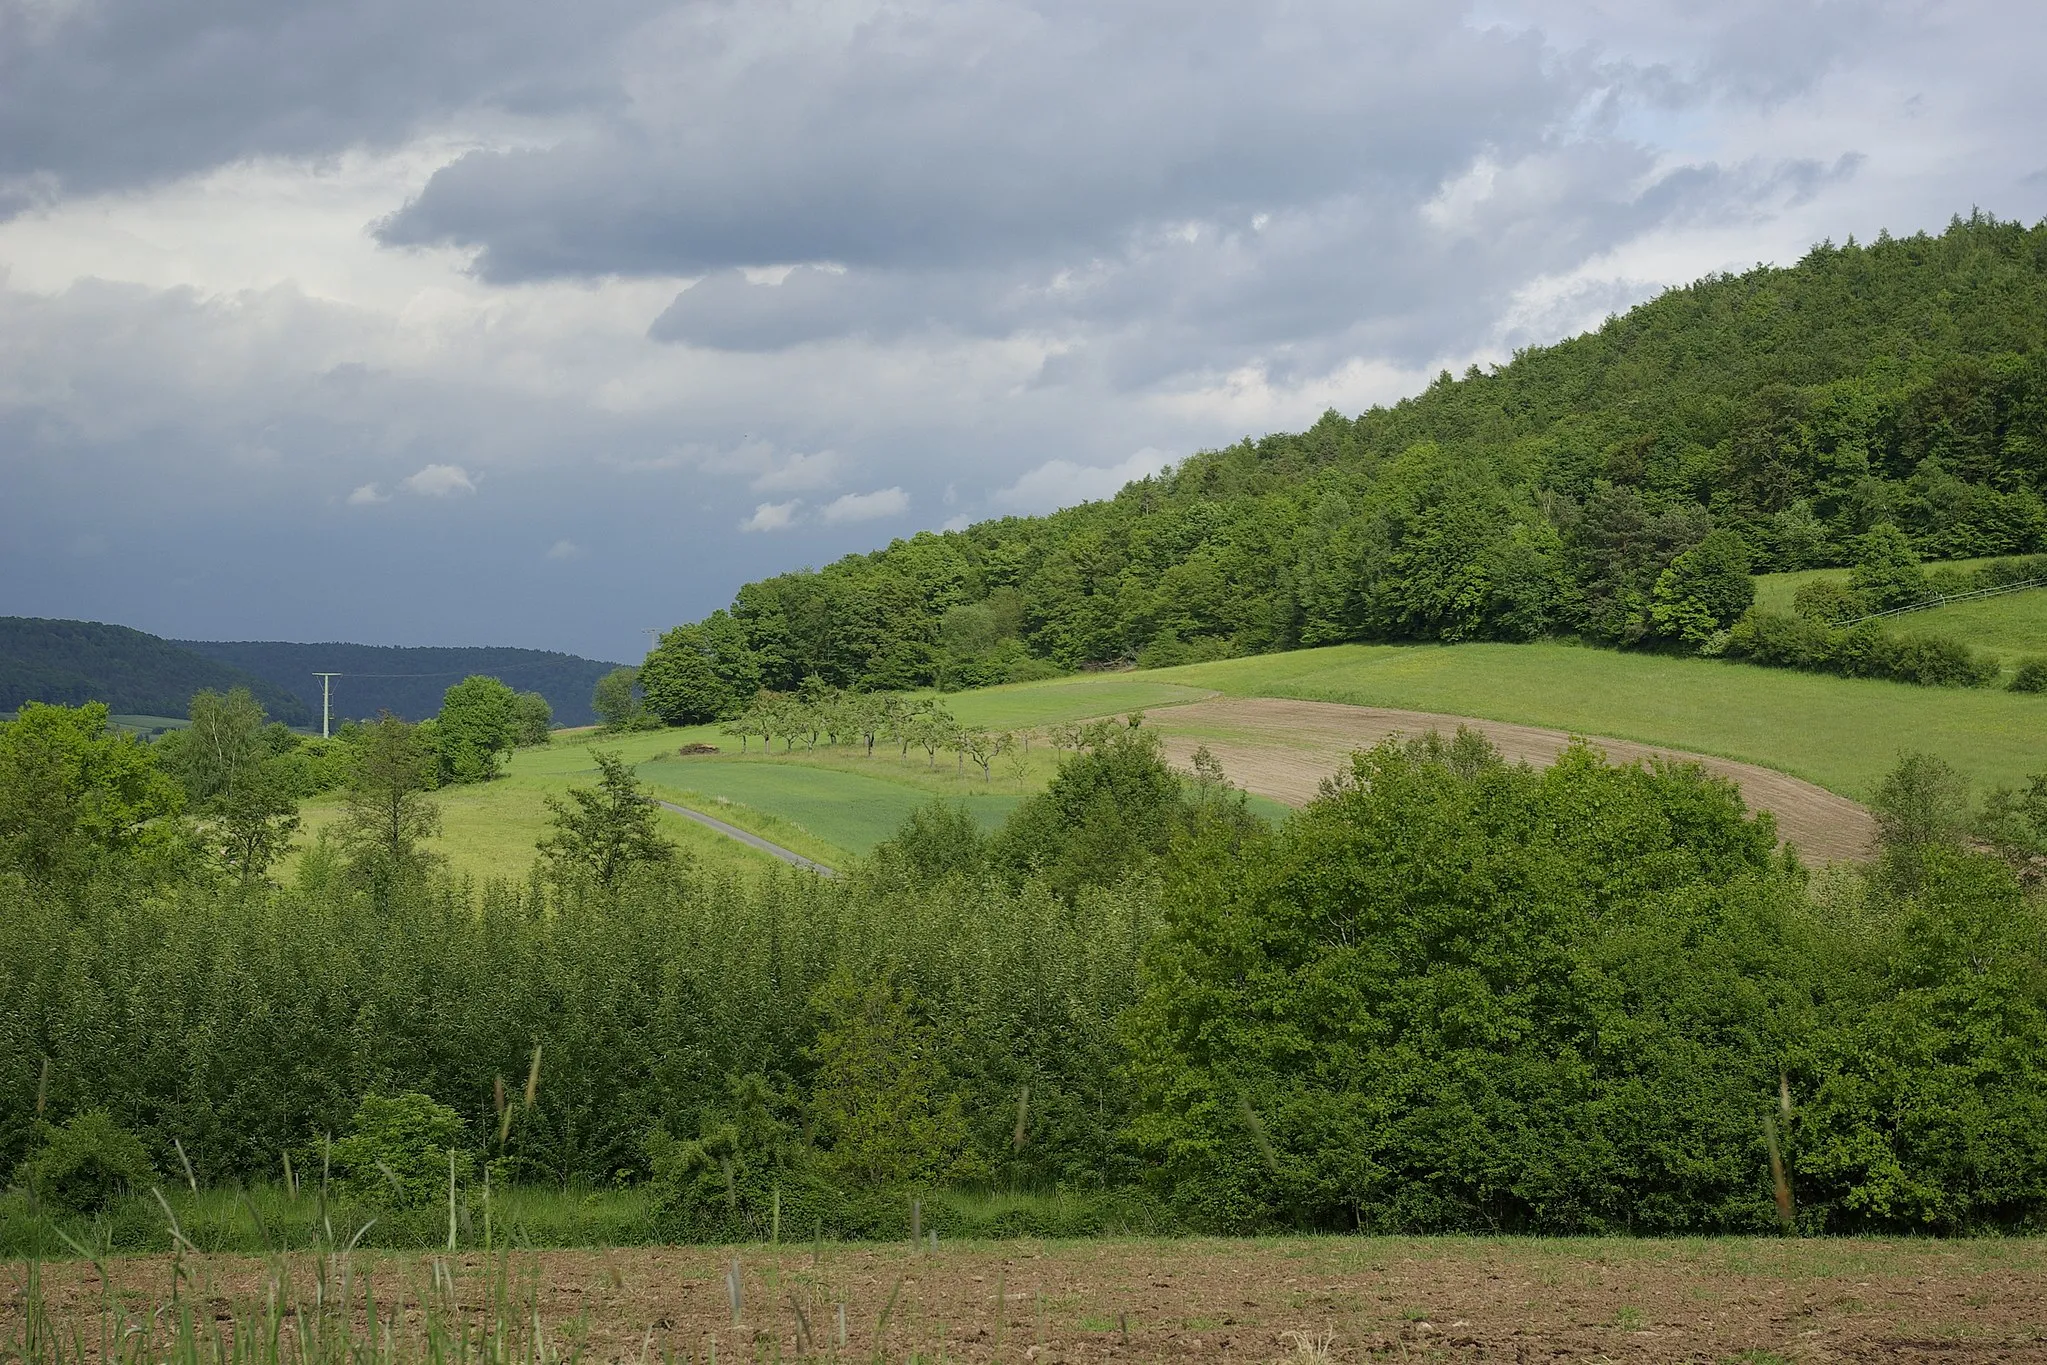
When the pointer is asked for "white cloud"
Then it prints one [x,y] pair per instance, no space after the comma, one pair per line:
[1058,483]
[565,549]
[772,516]
[800,473]
[367,495]
[440,481]
[885,502]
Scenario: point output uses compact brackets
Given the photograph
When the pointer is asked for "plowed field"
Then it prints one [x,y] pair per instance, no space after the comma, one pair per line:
[1296,1299]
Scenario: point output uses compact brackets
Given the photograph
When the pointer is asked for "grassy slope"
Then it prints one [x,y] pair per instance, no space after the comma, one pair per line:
[1842,733]
[2012,627]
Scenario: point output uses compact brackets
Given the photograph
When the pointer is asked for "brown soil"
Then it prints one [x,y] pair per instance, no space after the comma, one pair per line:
[1284,750]
[1301,1300]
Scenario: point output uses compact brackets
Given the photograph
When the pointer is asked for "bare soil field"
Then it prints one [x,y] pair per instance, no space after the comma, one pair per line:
[1301,1299]
[1285,749]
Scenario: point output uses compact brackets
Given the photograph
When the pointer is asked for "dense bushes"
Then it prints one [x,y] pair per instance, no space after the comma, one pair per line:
[1866,650]
[1459,995]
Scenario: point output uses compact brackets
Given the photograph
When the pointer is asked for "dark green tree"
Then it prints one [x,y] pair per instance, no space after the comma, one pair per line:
[533,719]
[1887,572]
[617,702]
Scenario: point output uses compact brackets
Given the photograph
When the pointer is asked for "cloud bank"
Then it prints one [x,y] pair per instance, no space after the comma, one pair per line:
[394,294]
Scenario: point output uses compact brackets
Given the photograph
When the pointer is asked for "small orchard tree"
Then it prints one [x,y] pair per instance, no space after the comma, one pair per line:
[606,830]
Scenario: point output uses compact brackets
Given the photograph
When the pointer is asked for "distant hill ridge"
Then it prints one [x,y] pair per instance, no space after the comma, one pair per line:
[408,680]
[69,663]
[136,673]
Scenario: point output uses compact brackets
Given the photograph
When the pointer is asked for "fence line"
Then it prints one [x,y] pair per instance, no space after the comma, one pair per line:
[1950,600]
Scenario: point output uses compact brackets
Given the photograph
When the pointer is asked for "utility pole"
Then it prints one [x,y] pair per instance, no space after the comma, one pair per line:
[326,699]
[653,637]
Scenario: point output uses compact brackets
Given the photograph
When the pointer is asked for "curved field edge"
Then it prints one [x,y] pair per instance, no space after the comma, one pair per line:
[1843,734]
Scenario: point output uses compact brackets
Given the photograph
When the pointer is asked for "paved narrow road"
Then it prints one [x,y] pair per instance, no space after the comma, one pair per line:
[735,832]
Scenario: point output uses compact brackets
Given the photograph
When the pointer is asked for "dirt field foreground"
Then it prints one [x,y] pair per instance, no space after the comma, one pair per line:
[1304,1299]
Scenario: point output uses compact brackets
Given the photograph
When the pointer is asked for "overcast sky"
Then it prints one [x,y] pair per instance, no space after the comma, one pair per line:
[454,322]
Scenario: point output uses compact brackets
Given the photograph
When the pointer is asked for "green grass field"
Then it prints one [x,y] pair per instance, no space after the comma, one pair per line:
[833,805]
[1842,733]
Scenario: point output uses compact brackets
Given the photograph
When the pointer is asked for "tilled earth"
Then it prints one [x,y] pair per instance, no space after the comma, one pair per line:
[1284,750]
[1304,1299]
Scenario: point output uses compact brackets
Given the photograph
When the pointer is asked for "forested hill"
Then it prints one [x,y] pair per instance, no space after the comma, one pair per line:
[1901,381]
[71,662]
[409,681]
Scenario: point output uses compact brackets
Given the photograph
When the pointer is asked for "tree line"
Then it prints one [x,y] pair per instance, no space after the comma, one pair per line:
[1453,993]
[1770,420]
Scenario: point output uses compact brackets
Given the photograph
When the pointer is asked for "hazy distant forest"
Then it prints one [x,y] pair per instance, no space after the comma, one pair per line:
[1786,412]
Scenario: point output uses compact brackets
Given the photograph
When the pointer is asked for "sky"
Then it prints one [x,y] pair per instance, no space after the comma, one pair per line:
[522,323]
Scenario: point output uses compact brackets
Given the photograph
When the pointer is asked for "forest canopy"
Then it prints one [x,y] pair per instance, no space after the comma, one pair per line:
[1785,412]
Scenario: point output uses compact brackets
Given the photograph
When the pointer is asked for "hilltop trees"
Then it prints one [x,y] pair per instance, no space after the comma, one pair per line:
[1900,384]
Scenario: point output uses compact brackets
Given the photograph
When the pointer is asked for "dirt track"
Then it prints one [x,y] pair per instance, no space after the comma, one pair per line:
[1305,1300]
[1284,749]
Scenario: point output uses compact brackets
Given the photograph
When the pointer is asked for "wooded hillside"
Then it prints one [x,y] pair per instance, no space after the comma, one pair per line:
[1902,381]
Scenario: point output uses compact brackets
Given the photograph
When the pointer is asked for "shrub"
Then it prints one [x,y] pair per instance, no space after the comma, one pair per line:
[397,1148]
[1938,661]
[1779,641]
[1831,601]
[1887,571]
[2031,677]
[85,1163]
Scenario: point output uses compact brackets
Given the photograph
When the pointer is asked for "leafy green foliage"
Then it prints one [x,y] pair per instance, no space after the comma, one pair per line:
[533,719]
[86,1162]
[398,1147]
[1866,650]
[1456,993]
[72,791]
[1705,589]
[70,663]
[386,818]
[2031,676]
[618,703]
[882,1104]
[607,831]
[406,680]
[479,723]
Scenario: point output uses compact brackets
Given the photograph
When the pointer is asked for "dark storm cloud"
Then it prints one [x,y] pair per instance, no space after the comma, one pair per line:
[991,133]
[107,94]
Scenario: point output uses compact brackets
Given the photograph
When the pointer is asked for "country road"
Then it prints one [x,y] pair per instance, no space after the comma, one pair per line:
[735,832]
